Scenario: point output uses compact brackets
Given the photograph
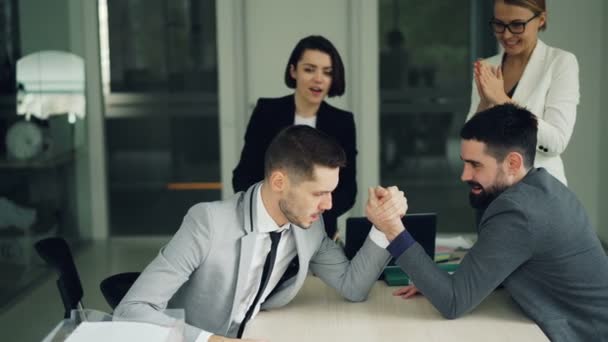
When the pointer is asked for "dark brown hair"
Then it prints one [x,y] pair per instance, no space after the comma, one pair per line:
[503,129]
[298,149]
[319,43]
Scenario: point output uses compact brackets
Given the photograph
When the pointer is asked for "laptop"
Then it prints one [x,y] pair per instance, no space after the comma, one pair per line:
[422,227]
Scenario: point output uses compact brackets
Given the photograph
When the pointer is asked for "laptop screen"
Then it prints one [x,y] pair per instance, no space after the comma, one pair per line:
[422,227]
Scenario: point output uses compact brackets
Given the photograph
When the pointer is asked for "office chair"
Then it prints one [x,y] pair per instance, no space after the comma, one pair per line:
[56,253]
[115,287]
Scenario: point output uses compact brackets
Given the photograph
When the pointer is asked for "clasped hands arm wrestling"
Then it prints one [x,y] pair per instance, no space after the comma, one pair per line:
[386,216]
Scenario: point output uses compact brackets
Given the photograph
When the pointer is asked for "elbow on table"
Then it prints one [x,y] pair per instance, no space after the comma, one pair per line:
[122,311]
[356,297]
[450,315]
[129,310]
[452,312]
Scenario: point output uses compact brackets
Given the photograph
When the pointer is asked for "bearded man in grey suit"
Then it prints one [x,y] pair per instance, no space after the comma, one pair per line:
[218,266]
[534,237]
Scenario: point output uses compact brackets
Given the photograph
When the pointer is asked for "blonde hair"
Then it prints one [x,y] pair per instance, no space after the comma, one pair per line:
[536,6]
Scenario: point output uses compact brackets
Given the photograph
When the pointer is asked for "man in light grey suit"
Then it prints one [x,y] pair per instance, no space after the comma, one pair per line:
[218,266]
[534,237]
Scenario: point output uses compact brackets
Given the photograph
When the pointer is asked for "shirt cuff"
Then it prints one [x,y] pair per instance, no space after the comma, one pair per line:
[378,237]
[203,336]
[400,244]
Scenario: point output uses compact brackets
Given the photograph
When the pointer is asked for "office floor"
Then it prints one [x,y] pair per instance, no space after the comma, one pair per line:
[39,310]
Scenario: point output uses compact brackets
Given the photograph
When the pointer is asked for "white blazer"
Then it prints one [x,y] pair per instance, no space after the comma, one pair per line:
[549,88]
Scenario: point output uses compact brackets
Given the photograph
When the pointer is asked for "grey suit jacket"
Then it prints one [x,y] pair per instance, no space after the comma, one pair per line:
[535,239]
[204,267]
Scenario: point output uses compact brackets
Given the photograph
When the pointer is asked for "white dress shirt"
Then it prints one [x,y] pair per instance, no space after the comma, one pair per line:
[286,251]
[303,120]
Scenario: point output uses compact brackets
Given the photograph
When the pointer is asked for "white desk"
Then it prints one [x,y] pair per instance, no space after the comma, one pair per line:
[318,313]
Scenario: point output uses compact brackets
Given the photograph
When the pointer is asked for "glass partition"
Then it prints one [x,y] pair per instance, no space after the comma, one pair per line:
[426,53]
[42,134]
[160,75]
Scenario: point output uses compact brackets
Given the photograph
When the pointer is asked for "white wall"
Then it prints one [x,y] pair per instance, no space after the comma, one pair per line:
[577,27]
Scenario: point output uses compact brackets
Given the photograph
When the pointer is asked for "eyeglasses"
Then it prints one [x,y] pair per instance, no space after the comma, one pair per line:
[515,27]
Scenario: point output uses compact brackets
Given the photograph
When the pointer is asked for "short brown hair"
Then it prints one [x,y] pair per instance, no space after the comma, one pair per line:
[536,6]
[298,149]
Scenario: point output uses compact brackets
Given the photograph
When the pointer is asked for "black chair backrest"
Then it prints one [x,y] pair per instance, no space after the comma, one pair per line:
[422,227]
[115,287]
[56,252]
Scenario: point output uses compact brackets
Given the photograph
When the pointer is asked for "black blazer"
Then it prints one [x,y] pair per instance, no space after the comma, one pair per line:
[272,115]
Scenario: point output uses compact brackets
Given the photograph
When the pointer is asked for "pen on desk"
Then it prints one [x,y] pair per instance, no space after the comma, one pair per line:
[447,260]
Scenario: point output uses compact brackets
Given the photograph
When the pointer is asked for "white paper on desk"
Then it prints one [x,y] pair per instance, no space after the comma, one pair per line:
[454,242]
[119,332]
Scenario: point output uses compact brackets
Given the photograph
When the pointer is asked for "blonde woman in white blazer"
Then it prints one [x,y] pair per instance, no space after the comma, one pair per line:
[531,74]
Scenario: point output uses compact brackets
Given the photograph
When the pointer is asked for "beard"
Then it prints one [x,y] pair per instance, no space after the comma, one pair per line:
[486,196]
[291,216]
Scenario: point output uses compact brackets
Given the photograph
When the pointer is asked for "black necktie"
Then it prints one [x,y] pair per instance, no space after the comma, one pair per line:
[268,265]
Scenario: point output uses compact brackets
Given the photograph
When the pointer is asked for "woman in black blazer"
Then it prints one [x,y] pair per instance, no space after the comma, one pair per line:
[315,70]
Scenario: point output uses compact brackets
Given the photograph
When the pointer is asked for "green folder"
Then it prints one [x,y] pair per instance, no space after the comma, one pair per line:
[394,275]
[448,267]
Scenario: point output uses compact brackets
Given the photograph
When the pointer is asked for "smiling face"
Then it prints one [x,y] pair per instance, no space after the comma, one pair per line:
[521,43]
[303,202]
[313,76]
[483,173]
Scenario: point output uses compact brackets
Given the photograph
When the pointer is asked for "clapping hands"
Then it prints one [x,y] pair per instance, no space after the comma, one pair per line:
[490,85]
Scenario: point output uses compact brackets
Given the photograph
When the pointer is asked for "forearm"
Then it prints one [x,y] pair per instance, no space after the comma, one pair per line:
[354,279]
[502,246]
[363,271]
[558,117]
[554,133]
[437,285]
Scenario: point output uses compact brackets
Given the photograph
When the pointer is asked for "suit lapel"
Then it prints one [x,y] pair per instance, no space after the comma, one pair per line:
[247,244]
[323,119]
[532,75]
[304,255]
[287,113]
